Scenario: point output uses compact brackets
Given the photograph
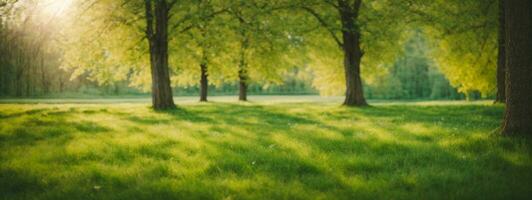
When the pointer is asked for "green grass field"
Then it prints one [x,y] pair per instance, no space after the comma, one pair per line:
[284,150]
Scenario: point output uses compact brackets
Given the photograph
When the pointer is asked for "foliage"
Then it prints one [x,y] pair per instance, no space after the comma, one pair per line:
[465,34]
[107,44]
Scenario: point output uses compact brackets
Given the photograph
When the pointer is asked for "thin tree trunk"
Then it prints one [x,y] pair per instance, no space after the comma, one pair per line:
[204,82]
[61,84]
[242,69]
[518,115]
[204,67]
[158,42]
[243,87]
[354,95]
[501,63]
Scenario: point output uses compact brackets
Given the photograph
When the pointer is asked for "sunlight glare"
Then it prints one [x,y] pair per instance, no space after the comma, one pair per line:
[56,7]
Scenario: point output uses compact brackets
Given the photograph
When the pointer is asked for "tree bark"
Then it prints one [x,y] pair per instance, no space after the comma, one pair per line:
[204,82]
[61,84]
[501,63]
[243,87]
[518,115]
[242,68]
[157,34]
[354,95]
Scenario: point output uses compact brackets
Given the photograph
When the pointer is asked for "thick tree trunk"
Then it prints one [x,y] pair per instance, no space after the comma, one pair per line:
[204,83]
[518,115]
[354,95]
[158,42]
[501,63]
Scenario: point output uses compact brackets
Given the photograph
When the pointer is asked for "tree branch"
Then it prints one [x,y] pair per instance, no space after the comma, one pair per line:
[149,19]
[188,17]
[324,24]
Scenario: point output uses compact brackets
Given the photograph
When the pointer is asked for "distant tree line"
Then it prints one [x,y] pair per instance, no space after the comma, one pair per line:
[413,75]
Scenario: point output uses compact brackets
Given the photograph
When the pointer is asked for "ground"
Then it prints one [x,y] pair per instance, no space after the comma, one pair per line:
[290,148]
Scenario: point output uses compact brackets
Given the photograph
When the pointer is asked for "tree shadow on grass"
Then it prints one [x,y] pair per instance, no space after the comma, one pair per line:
[409,113]
[177,114]
[23,113]
[14,183]
[47,125]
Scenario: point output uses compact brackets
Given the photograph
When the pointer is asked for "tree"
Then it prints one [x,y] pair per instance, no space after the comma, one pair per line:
[120,33]
[111,42]
[263,42]
[518,115]
[349,42]
[118,30]
[358,29]
[201,51]
[107,42]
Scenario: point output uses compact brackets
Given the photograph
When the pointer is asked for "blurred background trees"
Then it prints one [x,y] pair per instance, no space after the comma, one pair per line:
[428,50]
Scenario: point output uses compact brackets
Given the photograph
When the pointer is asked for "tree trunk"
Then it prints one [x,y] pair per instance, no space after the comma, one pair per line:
[204,82]
[501,63]
[158,42]
[518,115]
[354,95]
[242,69]
[242,76]
[61,84]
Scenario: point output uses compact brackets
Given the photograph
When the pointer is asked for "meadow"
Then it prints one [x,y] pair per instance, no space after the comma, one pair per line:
[288,149]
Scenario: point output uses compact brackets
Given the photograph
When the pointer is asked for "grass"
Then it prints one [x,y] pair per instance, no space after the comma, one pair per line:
[296,150]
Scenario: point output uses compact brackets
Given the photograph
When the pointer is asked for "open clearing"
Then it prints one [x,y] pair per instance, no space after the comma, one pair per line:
[309,148]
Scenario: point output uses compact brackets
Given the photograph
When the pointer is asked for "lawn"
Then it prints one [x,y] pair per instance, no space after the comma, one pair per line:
[259,150]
